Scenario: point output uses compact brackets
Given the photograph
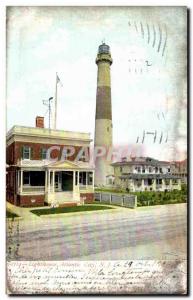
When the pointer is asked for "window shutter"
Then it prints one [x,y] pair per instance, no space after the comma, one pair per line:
[21,152]
[31,153]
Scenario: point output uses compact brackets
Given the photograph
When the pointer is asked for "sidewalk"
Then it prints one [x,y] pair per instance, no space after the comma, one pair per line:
[23,212]
[26,214]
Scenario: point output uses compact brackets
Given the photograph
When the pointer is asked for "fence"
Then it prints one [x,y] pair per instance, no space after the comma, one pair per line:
[115,199]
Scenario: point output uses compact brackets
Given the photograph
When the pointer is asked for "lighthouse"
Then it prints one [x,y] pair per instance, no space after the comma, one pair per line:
[103,116]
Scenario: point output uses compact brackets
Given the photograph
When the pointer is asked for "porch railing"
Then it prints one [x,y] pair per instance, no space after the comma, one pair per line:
[33,188]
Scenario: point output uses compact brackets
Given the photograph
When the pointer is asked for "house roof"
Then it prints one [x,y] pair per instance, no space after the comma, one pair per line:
[74,165]
[142,161]
[24,131]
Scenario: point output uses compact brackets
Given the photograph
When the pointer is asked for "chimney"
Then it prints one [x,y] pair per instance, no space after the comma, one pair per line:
[40,122]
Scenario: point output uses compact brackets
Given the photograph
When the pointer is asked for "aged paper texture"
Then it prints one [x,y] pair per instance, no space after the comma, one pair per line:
[96,150]
[104,277]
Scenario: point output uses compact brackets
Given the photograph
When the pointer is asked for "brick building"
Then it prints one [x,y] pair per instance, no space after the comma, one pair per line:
[48,167]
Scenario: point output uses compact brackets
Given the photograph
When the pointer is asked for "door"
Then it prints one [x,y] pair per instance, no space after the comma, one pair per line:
[67,181]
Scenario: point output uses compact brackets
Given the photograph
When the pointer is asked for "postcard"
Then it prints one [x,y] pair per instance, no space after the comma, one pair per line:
[96,150]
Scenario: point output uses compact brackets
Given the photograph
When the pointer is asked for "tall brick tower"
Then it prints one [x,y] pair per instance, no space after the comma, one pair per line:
[103,118]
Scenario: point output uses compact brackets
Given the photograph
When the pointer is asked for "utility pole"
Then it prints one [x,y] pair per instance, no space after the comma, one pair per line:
[48,104]
[56,99]
[56,95]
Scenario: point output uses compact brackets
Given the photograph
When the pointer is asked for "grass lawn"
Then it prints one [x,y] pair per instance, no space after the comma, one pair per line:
[62,210]
[11,215]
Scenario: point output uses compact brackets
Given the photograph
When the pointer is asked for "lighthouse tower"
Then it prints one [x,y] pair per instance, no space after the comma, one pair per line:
[103,117]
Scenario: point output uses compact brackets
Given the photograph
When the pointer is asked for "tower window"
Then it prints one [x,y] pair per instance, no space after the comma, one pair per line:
[107,129]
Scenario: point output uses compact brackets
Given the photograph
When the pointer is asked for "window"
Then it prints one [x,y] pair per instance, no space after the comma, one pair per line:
[110,181]
[26,152]
[34,178]
[160,169]
[43,153]
[138,182]
[26,178]
[37,178]
[143,170]
[90,178]
[167,181]
[82,178]
[84,155]
[121,169]
[158,181]
[150,169]
[168,170]
[66,153]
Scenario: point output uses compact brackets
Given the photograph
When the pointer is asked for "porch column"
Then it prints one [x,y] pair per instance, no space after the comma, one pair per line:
[86,179]
[74,173]
[93,180]
[53,181]
[179,184]
[163,184]
[21,182]
[142,185]
[46,181]
[154,185]
[171,187]
[18,180]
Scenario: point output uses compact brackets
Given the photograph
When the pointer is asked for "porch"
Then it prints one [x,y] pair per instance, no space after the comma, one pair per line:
[58,183]
[67,186]
[137,182]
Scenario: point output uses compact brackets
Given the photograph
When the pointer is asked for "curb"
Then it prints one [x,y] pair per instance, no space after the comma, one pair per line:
[78,213]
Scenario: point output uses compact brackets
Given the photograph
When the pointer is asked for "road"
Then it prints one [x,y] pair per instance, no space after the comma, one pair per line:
[157,232]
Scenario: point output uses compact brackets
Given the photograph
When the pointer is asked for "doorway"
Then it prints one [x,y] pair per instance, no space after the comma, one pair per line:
[67,181]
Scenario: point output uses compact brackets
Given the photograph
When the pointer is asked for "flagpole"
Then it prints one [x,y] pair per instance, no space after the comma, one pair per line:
[56,92]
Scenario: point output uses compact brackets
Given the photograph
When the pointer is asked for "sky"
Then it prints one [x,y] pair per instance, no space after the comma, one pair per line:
[148,74]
